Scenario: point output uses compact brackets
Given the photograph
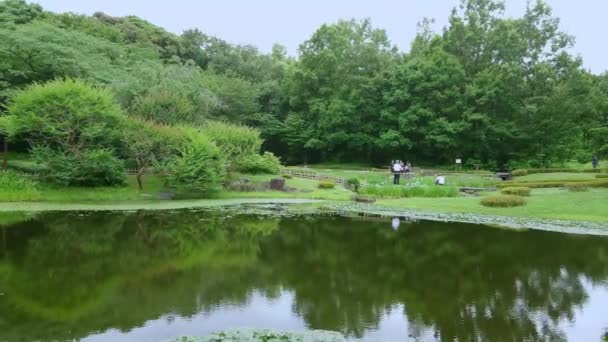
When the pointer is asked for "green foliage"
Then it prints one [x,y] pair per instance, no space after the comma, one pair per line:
[287,176]
[603,175]
[67,115]
[353,183]
[503,201]
[326,185]
[524,172]
[518,191]
[255,163]
[240,146]
[198,169]
[17,187]
[91,168]
[164,107]
[415,189]
[556,184]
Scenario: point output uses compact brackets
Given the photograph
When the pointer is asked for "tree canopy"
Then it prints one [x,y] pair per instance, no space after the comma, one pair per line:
[490,89]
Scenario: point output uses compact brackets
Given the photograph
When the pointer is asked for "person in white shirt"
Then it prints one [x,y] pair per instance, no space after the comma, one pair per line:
[397,169]
[440,180]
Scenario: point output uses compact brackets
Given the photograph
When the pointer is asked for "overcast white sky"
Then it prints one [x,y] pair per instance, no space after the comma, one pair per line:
[290,22]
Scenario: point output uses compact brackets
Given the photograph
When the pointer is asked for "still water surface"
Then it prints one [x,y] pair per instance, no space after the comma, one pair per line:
[150,276]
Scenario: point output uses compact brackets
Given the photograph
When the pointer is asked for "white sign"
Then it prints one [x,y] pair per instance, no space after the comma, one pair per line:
[458,161]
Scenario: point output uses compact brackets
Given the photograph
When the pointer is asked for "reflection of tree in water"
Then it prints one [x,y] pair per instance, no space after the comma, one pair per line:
[67,275]
[86,273]
[465,283]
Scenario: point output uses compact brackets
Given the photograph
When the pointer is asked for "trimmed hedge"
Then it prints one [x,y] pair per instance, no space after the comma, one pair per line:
[326,185]
[503,201]
[600,183]
[524,172]
[602,175]
[516,190]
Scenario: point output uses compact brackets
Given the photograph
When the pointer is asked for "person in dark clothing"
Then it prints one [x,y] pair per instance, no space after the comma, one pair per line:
[595,162]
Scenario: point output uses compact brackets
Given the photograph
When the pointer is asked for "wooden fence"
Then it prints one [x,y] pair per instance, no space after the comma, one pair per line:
[310,174]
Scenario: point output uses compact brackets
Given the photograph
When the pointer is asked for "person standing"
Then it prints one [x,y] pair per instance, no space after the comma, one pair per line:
[595,161]
[397,169]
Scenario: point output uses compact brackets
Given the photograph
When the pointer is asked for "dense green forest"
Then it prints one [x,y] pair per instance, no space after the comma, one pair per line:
[502,92]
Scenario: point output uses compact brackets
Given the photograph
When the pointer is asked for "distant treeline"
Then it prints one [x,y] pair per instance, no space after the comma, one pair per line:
[488,89]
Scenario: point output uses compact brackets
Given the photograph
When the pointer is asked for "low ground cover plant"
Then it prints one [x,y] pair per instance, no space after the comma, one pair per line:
[326,185]
[417,187]
[503,201]
[516,190]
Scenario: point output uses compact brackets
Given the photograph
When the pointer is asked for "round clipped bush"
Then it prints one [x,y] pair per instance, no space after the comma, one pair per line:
[516,190]
[326,185]
[577,187]
[503,201]
[353,183]
[287,176]
[519,173]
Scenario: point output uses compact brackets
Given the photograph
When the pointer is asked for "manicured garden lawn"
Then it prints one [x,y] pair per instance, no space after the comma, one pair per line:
[544,203]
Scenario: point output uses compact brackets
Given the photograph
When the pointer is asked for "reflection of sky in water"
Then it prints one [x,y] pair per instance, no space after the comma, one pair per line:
[261,312]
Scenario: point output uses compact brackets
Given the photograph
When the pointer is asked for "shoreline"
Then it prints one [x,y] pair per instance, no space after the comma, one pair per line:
[338,208]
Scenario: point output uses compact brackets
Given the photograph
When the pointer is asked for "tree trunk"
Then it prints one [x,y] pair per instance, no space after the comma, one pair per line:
[5,154]
[138,177]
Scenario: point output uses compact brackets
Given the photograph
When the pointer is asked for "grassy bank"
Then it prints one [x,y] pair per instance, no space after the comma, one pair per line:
[544,203]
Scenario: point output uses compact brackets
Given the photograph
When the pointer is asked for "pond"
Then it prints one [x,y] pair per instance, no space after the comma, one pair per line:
[154,275]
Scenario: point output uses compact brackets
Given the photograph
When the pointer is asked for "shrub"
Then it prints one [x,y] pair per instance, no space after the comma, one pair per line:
[579,187]
[353,183]
[503,201]
[254,163]
[287,176]
[602,175]
[66,115]
[96,167]
[598,183]
[519,173]
[164,107]
[326,185]
[198,169]
[516,190]
[17,187]
[235,141]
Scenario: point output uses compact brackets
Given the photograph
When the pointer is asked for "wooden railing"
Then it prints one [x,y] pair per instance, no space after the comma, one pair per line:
[310,174]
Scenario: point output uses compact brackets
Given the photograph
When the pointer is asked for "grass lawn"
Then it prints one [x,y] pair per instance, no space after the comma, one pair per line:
[306,189]
[544,203]
[556,176]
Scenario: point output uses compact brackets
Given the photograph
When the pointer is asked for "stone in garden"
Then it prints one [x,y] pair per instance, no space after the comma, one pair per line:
[277,184]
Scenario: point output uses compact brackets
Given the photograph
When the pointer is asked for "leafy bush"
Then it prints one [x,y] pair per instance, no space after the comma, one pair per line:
[519,173]
[287,176]
[95,167]
[602,175]
[503,201]
[66,115]
[165,107]
[17,187]
[198,169]
[516,190]
[579,187]
[353,183]
[326,185]
[254,163]
[235,141]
